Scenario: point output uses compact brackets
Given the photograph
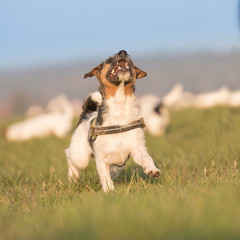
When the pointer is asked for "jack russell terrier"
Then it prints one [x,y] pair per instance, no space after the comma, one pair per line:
[109,127]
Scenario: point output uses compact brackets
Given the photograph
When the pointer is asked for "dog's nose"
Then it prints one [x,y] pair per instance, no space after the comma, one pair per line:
[122,53]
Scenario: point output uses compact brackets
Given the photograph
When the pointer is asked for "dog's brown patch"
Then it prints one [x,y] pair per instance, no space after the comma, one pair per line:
[139,73]
[103,73]
[94,72]
[110,89]
[128,89]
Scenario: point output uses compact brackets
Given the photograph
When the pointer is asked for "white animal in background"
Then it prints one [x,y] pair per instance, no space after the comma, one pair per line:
[54,105]
[56,123]
[177,98]
[155,114]
[77,107]
[174,95]
[234,99]
[34,110]
[210,99]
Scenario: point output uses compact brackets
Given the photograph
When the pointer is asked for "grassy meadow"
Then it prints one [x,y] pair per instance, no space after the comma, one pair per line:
[196,197]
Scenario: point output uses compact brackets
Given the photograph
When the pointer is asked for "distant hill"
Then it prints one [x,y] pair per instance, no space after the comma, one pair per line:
[197,72]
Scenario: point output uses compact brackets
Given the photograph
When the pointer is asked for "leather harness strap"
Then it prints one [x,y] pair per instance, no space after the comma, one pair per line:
[95,131]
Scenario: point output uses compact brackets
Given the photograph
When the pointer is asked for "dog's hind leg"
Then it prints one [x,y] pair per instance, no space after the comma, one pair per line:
[76,161]
[73,174]
[79,152]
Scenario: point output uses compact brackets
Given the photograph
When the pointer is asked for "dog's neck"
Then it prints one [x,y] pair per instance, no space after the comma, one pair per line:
[119,108]
[120,98]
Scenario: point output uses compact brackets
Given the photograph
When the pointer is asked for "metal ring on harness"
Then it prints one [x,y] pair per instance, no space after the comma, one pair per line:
[91,136]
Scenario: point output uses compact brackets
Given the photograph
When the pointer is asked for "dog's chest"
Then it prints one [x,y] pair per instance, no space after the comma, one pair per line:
[121,109]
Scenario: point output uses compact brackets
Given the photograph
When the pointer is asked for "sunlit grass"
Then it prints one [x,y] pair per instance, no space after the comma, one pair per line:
[197,196]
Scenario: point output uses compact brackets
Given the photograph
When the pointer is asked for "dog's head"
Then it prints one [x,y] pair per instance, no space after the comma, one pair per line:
[116,70]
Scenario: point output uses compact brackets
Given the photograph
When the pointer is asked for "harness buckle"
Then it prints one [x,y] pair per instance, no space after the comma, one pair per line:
[91,136]
[143,123]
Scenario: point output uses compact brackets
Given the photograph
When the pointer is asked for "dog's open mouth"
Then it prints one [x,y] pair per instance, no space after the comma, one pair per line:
[120,66]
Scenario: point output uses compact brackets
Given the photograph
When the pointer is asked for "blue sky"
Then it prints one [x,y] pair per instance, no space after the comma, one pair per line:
[41,32]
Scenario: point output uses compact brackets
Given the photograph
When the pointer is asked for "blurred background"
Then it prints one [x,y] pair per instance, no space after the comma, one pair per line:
[47,46]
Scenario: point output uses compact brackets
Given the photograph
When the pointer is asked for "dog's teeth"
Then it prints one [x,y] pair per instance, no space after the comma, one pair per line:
[119,67]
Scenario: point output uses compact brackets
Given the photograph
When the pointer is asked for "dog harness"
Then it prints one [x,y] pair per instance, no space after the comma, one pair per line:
[94,131]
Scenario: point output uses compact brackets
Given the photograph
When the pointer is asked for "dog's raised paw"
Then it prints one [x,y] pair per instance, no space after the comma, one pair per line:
[154,174]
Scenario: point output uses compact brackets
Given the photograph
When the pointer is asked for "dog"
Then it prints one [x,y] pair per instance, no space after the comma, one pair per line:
[46,124]
[112,107]
[156,115]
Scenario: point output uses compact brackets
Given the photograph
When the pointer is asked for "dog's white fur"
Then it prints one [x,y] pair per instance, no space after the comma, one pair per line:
[57,123]
[110,149]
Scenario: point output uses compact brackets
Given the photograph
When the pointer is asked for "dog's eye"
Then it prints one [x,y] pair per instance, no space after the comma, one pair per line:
[109,60]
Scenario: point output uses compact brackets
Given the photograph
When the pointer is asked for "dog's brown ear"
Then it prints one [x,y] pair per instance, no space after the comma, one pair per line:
[140,73]
[94,72]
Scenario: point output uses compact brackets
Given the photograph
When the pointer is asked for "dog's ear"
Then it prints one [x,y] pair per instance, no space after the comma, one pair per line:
[139,73]
[94,72]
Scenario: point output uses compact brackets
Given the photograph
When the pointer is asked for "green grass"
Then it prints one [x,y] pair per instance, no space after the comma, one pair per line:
[196,197]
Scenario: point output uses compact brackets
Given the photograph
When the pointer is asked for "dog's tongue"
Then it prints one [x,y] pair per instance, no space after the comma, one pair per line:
[121,64]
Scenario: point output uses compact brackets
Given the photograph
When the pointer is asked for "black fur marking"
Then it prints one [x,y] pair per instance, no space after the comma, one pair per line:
[109,60]
[84,116]
[101,90]
[115,81]
[158,108]
[101,111]
[133,87]
[122,164]
[127,82]
[88,107]
[101,67]
[122,53]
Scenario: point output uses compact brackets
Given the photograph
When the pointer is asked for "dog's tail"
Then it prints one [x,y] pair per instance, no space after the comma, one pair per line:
[90,104]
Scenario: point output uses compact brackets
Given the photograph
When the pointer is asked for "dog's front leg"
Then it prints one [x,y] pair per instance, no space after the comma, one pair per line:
[104,174]
[142,158]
